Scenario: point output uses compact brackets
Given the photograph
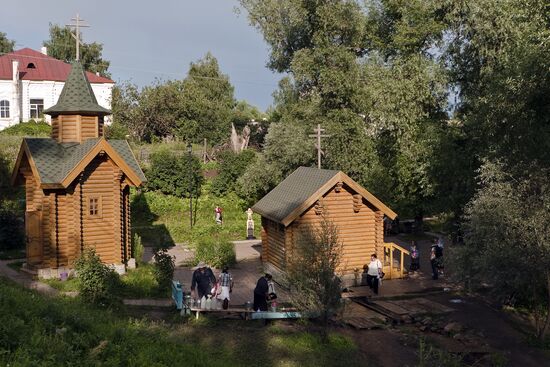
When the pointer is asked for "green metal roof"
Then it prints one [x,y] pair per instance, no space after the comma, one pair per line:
[77,96]
[292,192]
[54,161]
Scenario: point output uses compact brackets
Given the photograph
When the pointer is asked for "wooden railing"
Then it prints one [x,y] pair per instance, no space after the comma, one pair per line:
[389,269]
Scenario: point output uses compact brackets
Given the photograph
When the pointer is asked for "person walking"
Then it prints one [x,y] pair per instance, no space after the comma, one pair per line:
[261,293]
[374,273]
[218,212]
[202,281]
[225,281]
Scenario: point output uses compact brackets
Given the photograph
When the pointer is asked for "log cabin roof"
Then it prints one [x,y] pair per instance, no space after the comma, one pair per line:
[57,164]
[302,188]
[77,96]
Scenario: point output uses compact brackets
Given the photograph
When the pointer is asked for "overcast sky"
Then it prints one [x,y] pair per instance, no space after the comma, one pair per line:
[152,39]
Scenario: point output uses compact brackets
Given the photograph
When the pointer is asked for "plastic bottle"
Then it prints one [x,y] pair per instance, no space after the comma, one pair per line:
[203,302]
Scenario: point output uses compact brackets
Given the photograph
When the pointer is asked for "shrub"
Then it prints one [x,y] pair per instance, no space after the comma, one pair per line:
[174,174]
[138,249]
[164,267]
[116,131]
[216,252]
[30,128]
[232,166]
[11,228]
[97,282]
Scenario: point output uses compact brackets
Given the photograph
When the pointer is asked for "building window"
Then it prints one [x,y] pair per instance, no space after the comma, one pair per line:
[94,206]
[4,109]
[37,106]
[30,65]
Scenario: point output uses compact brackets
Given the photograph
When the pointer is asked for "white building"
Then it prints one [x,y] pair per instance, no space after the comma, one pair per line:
[31,81]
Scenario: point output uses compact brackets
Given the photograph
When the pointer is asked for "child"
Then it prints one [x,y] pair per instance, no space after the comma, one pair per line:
[225,281]
[415,257]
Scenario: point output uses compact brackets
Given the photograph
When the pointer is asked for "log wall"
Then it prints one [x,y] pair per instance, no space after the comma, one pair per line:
[273,238]
[357,226]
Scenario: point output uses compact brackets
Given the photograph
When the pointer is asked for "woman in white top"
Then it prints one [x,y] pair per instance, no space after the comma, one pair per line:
[373,274]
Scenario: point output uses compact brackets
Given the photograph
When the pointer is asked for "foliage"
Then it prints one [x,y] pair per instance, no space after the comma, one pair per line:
[216,251]
[348,73]
[38,128]
[164,267]
[312,270]
[61,45]
[97,282]
[175,174]
[206,103]
[137,249]
[116,131]
[6,45]
[64,332]
[11,228]
[506,226]
[231,166]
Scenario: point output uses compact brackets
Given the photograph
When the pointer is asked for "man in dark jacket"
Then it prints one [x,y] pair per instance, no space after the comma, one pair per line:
[203,280]
[261,292]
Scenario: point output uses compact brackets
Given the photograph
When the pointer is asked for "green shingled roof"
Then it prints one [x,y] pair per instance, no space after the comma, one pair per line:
[299,186]
[77,96]
[54,161]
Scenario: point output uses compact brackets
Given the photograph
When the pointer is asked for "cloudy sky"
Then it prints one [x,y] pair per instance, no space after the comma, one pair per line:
[152,39]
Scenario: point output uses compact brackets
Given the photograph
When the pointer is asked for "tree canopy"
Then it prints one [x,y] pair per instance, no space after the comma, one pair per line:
[6,45]
[62,46]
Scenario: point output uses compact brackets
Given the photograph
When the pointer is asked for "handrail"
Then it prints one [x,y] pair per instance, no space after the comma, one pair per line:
[390,247]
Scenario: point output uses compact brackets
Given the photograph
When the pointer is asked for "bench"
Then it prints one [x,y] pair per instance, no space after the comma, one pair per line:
[242,311]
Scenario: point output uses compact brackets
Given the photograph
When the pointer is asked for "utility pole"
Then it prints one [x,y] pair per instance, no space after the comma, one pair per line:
[318,134]
[76,25]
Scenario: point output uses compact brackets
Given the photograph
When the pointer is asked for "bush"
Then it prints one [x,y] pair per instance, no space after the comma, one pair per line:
[138,249]
[216,252]
[97,282]
[164,267]
[30,128]
[11,228]
[232,167]
[174,174]
[116,131]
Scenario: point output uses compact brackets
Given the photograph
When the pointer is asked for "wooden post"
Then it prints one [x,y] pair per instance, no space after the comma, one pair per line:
[391,261]
[401,264]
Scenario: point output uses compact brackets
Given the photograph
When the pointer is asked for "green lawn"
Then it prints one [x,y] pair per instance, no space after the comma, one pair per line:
[136,283]
[164,219]
[42,331]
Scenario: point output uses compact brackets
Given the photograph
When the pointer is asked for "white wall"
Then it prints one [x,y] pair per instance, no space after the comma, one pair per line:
[49,91]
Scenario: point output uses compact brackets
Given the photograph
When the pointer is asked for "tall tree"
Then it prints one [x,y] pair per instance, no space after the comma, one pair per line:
[381,99]
[62,46]
[6,45]
[206,102]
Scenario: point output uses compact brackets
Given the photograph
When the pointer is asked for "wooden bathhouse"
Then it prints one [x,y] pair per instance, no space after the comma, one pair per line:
[77,185]
[302,198]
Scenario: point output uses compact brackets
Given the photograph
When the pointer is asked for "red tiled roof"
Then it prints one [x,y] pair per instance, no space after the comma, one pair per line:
[46,67]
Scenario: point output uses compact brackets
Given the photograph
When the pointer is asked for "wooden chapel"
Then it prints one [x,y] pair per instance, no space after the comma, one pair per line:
[77,185]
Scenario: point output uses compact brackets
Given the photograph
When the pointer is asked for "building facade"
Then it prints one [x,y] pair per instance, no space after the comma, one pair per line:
[77,185]
[31,81]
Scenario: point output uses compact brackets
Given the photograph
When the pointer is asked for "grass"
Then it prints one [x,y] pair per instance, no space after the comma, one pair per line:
[63,331]
[164,220]
[16,265]
[136,283]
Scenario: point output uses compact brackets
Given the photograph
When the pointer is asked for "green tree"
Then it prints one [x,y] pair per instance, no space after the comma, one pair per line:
[312,271]
[206,103]
[174,174]
[232,166]
[62,46]
[6,45]
[381,99]
[507,226]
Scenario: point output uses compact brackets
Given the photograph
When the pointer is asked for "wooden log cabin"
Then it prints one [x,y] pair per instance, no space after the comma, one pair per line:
[77,185]
[301,200]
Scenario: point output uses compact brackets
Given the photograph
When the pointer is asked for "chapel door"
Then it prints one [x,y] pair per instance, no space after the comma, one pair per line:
[33,220]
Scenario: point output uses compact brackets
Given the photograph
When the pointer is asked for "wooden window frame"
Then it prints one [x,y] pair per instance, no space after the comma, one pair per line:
[98,209]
